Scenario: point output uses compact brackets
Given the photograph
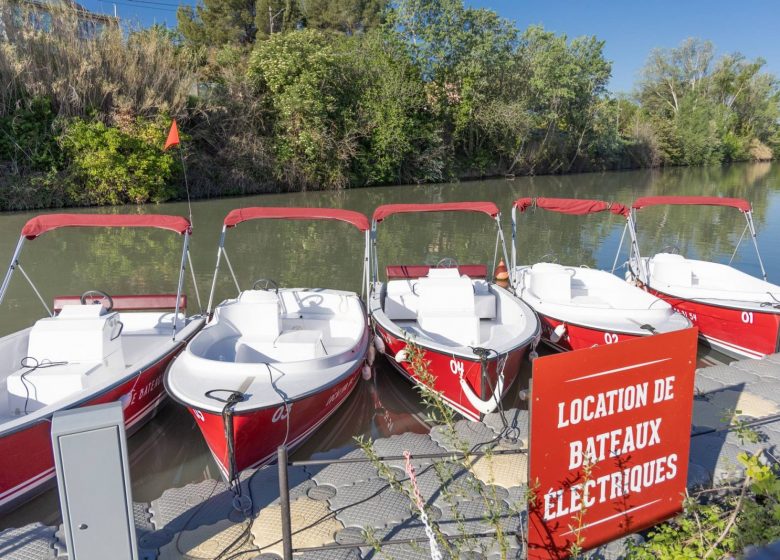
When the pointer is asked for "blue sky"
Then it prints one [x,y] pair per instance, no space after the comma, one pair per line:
[631,28]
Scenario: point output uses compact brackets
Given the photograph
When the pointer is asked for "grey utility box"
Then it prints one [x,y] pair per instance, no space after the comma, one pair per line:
[90,455]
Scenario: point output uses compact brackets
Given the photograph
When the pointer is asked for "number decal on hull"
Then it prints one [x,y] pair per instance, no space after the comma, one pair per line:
[747,317]
[456,367]
[281,413]
[198,414]
[610,338]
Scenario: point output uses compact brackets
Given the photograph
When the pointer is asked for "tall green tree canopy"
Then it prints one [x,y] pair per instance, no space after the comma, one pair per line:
[220,22]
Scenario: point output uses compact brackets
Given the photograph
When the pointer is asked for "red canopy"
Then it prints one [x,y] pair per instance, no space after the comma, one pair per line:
[239,215]
[47,222]
[738,203]
[389,209]
[574,206]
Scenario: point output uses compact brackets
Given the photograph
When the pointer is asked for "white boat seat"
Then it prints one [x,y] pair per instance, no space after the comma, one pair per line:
[79,334]
[484,300]
[447,308]
[289,346]
[550,282]
[255,314]
[672,269]
[45,386]
[402,299]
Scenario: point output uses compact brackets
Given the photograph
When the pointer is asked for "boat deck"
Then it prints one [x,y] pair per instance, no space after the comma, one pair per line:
[338,502]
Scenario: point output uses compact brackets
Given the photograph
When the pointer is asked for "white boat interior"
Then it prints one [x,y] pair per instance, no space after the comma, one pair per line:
[721,284]
[77,354]
[450,312]
[594,298]
[274,347]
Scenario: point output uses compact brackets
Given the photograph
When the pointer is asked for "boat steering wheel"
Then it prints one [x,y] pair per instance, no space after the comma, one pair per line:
[266,284]
[447,262]
[671,249]
[89,294]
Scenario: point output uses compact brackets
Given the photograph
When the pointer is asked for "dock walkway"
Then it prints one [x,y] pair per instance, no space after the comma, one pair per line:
[348,503]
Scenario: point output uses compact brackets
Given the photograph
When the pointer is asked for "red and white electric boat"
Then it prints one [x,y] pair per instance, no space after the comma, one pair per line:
[581,307]
[83,354]
[272,364]
[472,333]
[736,313]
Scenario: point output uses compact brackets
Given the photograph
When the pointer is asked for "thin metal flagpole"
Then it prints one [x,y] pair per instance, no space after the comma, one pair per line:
[186,184]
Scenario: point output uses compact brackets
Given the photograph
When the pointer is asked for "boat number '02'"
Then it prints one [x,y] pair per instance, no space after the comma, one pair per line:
[456,367]
[610,338]
[281,413]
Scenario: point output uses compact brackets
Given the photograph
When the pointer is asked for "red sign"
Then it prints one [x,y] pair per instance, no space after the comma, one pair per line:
[610,436]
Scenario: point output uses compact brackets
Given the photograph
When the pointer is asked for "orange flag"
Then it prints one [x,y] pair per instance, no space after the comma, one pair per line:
[173,136]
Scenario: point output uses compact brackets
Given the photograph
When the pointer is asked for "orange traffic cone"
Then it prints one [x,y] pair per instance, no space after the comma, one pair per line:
[501,275]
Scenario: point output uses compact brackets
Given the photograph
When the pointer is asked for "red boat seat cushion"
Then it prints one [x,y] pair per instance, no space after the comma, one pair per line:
[402,271]
[135,302]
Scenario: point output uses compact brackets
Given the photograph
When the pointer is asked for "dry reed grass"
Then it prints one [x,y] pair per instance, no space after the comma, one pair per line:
[117,74]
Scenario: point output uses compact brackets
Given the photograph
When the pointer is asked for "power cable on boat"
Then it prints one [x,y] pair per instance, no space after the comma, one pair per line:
[774,305]
[233,398]
[287,404]
[235,484]
[36,365]
[484,354]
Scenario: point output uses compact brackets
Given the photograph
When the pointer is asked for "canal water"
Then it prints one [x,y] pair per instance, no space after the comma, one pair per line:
[169,450]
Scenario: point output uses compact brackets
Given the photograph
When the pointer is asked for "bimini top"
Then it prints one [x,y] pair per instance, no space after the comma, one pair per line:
[389,209]
[741,204]
[573,206]
[47,222]
[239,215]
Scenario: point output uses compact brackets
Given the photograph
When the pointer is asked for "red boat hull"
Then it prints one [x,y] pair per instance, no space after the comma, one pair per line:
[734,331]
[577,337]
[26,457]
[446,369]
[258,433]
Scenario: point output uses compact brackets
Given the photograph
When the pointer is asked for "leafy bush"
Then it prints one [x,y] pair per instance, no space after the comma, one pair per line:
[308,92]
[107,165]
[27,137]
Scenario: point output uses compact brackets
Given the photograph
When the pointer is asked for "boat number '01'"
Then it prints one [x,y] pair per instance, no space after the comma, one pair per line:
[456,367]
[281,413]
[747,317]
[610,338]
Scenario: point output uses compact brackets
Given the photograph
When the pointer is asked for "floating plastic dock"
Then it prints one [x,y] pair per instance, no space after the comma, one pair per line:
[344,503]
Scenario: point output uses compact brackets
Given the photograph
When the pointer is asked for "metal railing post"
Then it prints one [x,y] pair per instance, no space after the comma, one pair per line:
[284,495]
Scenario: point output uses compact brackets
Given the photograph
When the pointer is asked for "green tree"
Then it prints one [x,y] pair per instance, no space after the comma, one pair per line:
[307,90]
[566,84]
[708,111]
[347,16]
[670,73]
[399,140]
[217,22]
[277,16]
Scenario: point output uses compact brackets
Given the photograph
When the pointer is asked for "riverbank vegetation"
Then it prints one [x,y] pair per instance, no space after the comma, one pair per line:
[281,95]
